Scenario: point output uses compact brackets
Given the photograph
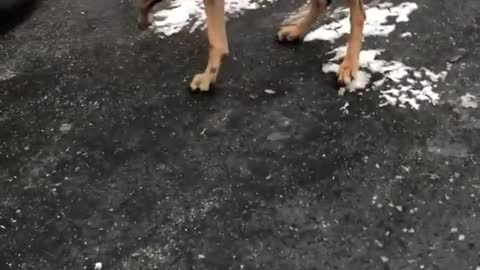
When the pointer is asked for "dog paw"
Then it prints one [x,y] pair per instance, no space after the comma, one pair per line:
[290,33]
[347,71]
[143,22]
[202,82]
[142,25]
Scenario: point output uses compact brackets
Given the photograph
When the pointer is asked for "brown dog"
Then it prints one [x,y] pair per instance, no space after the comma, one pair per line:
[218,42]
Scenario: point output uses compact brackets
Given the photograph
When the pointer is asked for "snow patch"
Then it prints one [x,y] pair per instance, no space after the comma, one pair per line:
[344,108]
[270,91]
[399,84]
[377,23]
[469,101]
[6,73]
[65,128]
[190,13]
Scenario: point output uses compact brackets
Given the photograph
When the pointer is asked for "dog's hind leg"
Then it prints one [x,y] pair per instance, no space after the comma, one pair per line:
[349,67]
[144,7]
[218,45]
[296,29]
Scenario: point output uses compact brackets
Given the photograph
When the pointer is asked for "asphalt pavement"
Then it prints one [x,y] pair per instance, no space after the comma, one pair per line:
[108,162]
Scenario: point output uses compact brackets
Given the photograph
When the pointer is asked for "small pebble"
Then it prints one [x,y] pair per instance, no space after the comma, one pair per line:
[270,91]
[456,58]
[65,128]
[278,136]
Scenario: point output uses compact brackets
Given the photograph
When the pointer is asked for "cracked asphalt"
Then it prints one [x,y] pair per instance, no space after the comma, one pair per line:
[107,161]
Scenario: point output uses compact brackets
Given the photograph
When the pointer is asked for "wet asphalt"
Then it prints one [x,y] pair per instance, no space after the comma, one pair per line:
[106,158]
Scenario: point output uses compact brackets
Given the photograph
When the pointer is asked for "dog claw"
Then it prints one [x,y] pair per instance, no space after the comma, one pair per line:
[347,72]
[202,83]
[290,34]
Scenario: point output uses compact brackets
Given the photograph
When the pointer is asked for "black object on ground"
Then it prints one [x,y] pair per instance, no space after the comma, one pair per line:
[14,12]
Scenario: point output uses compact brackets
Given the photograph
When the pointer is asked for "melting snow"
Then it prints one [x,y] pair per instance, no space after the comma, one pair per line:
[344,108]
[270,91]
[375,25]
[400,85]
[6,73]
[190,13]
[469,101]
[65,128]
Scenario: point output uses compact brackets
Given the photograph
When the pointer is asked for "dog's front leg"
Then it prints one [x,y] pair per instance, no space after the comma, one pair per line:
[218,45]
[349,67]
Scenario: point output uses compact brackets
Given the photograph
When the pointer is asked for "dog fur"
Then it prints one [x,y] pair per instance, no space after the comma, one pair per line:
[218,42]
